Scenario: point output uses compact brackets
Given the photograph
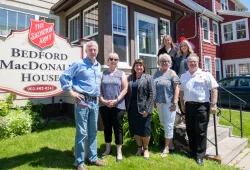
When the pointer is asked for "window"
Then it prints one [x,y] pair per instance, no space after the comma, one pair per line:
[13,20]
[244,82]
[164,26]
[206,30]
[73,29]
[230,70]
[244,69]
[208,64]
[230,82]
[216,33]
[235,31]
[237,8]
[90,22]
[120,31]
[217,69]
[224,4]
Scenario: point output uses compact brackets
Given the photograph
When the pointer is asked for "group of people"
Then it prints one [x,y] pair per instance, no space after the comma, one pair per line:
[178,78]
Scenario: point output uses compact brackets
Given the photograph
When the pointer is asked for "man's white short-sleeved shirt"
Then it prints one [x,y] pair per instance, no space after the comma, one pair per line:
[197,87]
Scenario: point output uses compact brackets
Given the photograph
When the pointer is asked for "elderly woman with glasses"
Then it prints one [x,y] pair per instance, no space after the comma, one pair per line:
[167,93]
[113,89]
[140,104]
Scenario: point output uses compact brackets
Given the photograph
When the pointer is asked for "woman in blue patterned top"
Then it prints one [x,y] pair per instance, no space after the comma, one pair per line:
[167,93]
[114,86]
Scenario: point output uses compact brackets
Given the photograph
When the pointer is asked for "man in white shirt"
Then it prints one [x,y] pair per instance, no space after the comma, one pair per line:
[195,88]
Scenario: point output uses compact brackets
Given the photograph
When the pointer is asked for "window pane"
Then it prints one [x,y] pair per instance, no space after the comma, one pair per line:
[120,47]
[12,18]
[207,64]
[91,21]
[205,24]
[164,27]
[240,25]
[241,34]
[244,69]
[74,29]
[147,40]
[115,23]
[206,35]
[230,70]
[3,22]
[244,82]
[150,62]
[228,28]
[119,19]
[28,20]
[21,22]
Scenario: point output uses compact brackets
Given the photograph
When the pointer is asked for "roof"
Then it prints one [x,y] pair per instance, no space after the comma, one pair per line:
[63,5]
[234,13]
[240,4]
[200,9]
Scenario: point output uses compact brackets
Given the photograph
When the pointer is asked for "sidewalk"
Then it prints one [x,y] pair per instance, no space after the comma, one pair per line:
[242,161]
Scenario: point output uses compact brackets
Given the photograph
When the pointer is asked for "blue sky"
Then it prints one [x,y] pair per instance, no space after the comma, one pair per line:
[246,3]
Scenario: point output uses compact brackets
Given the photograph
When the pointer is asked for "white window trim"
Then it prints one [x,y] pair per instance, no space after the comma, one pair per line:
[224,5]
[205,57]
[37,15]
[236,62]
[168,21]
[92,35]
[218,32]
[208,24]
[121,64]
[218,59]
[75,16]
[213,6]
[234,31]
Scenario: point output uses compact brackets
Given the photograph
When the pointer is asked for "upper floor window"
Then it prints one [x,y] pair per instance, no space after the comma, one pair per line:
[235,31]
[90,21]
[224,4]
[208,64]
[206,30]
[237,8]
[216,32]
[15,20]
[120,30]
[73,28]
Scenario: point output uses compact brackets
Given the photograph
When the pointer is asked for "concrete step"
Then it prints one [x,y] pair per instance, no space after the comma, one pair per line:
[228,149]
[223,132]
[240,158]
[211,121]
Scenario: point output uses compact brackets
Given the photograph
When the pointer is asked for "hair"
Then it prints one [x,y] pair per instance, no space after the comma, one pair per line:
[138,61]
[190,50]
[89,43]
[193,55]
[163,40]
[166,56]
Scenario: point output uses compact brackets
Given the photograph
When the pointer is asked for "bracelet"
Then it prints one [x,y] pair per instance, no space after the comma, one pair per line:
[213,102]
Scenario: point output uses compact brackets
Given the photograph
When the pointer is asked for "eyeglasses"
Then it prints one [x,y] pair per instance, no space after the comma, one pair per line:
[192,61]
[165,61]
[113,59]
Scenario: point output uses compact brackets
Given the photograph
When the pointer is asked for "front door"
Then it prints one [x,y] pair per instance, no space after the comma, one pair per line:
[146,40]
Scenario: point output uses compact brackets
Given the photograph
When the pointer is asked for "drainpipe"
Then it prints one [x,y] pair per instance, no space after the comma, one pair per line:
[177,21]
[195,27]
[200,39]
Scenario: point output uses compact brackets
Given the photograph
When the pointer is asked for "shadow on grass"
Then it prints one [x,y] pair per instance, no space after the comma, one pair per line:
[46,157]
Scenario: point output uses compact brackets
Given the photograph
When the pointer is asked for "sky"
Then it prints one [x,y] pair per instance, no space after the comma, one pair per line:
[246,3]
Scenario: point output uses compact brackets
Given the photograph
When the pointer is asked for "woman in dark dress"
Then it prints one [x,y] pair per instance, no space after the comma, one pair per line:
[168,47]
[140,104]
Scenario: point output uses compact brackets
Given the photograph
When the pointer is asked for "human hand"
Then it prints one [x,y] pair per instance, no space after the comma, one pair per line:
[112,103]
[213,108]
[144,114]
[76,95]
[172,108]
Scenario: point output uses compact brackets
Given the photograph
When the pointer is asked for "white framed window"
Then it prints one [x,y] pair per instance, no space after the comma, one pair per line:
[206,29]
[164,27]
[235,31]
[120,32]
[218,68]
[17,20]
[237,8]
[236,67]
[90,22]
[73,28]
[224,4]
[216,33]
[208,63]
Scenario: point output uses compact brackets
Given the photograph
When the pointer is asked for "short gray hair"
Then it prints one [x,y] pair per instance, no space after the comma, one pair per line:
[193,55]
[91,43]
[166,56]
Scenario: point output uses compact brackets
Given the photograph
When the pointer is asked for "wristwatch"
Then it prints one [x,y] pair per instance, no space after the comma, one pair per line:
[213,102]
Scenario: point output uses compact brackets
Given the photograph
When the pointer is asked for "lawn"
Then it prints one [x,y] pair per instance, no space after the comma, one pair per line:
[52,149]
[236,120]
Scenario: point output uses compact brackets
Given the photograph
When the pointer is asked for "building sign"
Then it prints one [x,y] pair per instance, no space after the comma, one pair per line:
[32,60]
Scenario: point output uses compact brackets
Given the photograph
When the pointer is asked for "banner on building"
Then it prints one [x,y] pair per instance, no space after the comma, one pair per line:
[32,60]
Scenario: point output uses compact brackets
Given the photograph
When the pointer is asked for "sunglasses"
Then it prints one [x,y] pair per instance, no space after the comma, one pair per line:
[113,59]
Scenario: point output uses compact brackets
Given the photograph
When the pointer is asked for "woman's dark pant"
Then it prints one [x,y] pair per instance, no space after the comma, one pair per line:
[112,118]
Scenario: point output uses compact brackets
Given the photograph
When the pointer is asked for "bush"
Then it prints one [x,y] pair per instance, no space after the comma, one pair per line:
[16,122]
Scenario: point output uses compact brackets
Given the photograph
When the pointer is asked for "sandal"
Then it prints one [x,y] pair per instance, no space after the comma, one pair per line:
[139,151]
[164,154]
[146,156]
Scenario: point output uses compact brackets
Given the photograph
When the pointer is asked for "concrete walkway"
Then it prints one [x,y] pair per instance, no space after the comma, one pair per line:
[242,161]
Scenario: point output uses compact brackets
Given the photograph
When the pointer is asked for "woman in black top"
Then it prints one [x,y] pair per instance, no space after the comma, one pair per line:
[168,47]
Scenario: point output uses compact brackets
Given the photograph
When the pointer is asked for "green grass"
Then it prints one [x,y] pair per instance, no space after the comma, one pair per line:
[52,149]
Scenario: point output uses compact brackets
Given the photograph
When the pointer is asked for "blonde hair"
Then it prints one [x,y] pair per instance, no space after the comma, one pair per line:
[190,50]
[110,55]
[163,40]
[166,56]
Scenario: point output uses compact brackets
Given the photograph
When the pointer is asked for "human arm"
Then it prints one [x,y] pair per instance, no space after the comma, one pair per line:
[150,99]
[182,101]
[214,97]
[175,98]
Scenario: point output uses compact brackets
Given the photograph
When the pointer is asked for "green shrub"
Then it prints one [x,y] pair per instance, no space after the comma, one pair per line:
[16,122]
[6,104]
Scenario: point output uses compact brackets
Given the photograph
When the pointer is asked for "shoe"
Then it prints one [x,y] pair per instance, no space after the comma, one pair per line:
[164,154]
[81,167]
[98,163]
[104,155]
[139,151]
[199,161]
[171,151]
[146,156]
[191,155]
[119,159]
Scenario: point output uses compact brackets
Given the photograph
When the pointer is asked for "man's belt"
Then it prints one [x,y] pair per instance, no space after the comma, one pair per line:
[191,102]
[87,97]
